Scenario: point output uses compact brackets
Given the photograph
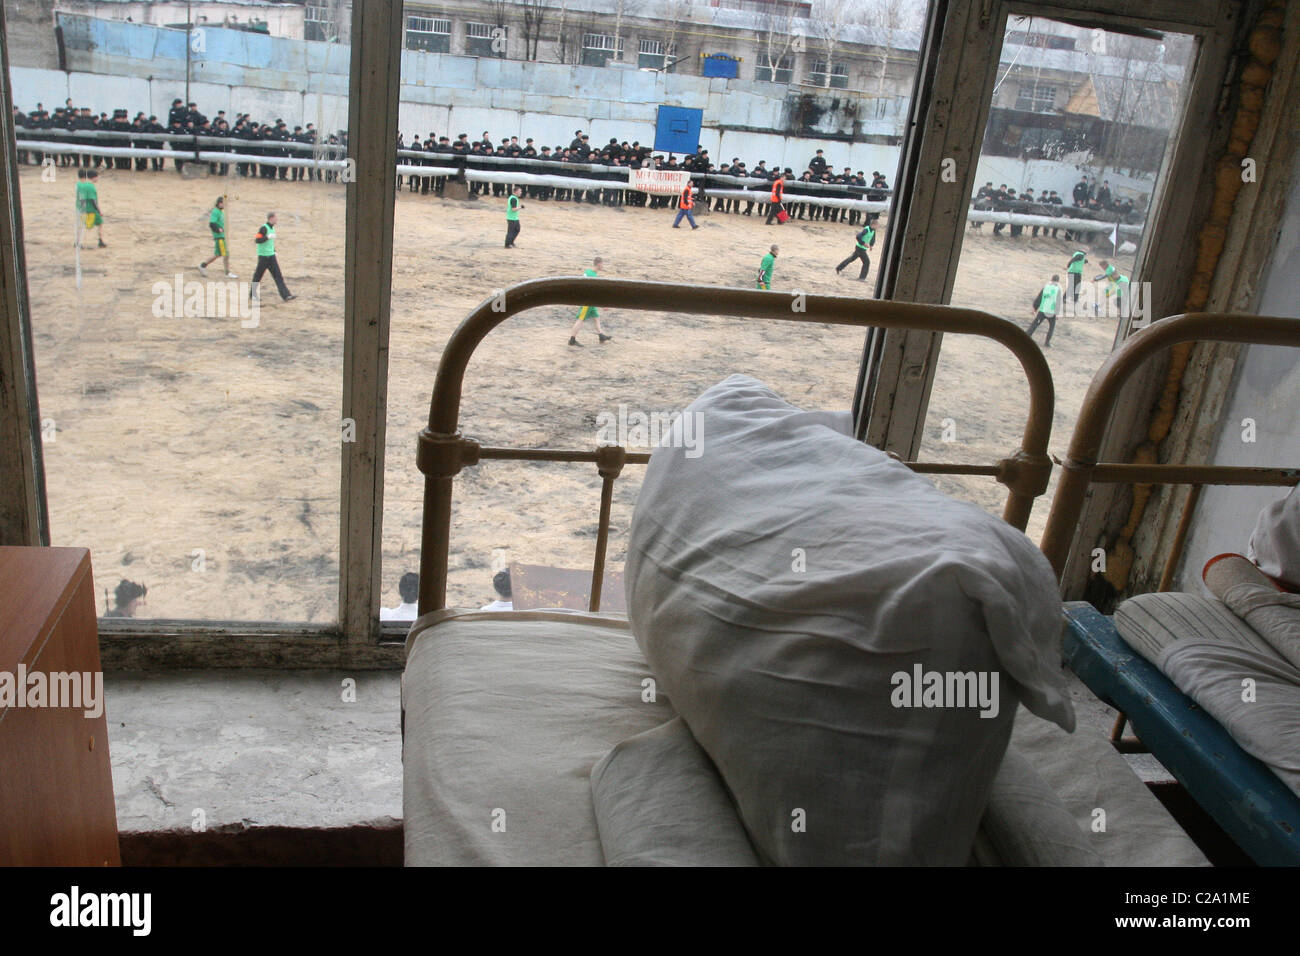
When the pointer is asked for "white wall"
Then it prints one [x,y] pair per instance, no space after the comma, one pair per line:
[1267,390]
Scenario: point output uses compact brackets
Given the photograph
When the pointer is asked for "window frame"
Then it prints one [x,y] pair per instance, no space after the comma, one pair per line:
[478,39]
[950,107]
[409,29]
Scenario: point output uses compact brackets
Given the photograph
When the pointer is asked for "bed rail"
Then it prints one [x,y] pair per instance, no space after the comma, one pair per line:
[443,451]
[1080,467]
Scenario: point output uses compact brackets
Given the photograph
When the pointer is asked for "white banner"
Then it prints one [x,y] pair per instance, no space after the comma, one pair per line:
[660,182]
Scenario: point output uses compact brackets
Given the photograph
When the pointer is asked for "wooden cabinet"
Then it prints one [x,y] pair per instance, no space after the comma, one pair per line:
[56,784]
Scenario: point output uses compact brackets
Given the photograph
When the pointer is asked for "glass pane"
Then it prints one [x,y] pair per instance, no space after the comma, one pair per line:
[191,436]
[1080,125]
[526,385]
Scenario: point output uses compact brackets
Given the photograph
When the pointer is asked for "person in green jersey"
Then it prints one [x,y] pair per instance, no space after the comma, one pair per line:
[589,311]
[513,205]
[266,261]
[765,269]
[217,225]
[1074,271]
[88,204]
[1047,304]
[864,240]
[1116,288]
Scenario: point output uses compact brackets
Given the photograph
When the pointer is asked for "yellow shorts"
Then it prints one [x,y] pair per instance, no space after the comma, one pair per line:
[91,219]
[219,247]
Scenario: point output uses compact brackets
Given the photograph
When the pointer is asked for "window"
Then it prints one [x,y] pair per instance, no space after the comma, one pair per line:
[1046,41]
[318,23]
[1036,98]
[838,74]
[428,34]
[485,39]
[227,505]
[599,48]
[651,55]
[779,70]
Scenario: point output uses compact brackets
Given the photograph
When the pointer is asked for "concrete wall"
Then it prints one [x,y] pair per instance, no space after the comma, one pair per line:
[1267,389]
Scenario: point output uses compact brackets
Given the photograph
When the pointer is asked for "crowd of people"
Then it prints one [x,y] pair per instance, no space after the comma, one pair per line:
[182,120]
[818,179]
[1090,200]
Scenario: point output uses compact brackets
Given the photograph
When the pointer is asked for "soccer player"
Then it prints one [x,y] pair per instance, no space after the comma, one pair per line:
[864,240]
[765,269]
[589,311]
[685,203]
[266,261]
[1047,304]
[513,205]
[88,204]
[1074,269]
[217,224]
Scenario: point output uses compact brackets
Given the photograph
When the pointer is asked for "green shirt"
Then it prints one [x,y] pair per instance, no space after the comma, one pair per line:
[87,196]
[865,238]
[512,209]
[267,248]
[1047,304]
[1076,264]
[765,268]
[218,219]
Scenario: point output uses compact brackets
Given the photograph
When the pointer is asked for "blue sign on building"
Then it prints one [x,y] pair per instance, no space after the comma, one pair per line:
[719,64]
[677,129]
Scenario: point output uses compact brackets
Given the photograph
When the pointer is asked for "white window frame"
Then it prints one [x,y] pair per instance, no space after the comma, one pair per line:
[784,64]
[838,70]
[436,27]
[1032,92]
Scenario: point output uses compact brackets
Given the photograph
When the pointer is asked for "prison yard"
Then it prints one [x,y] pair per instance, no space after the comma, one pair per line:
[215,438]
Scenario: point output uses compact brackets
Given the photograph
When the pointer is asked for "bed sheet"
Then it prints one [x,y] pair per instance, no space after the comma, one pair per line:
[506,713]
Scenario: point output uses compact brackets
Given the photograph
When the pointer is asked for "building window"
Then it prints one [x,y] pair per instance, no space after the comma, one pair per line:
[1044,41]
[428,34]
[599,48]
[1036,98]
[652,55]
[838,74]
[779,70]
[318,24]
[485,39]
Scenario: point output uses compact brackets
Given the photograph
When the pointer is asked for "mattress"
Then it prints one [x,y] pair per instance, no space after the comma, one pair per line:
[1245,797]
[506,713]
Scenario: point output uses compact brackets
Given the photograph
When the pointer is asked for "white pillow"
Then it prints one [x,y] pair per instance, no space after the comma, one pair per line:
[787,582]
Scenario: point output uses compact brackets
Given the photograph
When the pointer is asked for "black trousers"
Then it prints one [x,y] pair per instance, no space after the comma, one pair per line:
[512,232]
[1038,320]
[858,253]
[269,264]
[771,212]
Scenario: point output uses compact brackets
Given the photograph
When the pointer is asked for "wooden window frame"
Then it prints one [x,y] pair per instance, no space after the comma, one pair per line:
[963,40]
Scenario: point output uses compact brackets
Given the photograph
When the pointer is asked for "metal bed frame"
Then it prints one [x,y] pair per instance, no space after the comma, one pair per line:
[443,451]
[1247,800]
[1250,803]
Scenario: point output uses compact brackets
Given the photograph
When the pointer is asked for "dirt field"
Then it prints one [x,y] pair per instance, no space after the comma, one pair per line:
[201,458]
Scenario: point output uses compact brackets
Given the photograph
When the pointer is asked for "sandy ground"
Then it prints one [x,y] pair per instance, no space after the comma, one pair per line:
[202,458]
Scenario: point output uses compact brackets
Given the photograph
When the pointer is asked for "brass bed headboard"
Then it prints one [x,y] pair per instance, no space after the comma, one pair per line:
[1080,467]
[443,451]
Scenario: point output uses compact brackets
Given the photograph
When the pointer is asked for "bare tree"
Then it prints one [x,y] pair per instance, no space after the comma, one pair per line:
[777,36]
[676,11]
[828,20]
[534,14]
[885,17]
